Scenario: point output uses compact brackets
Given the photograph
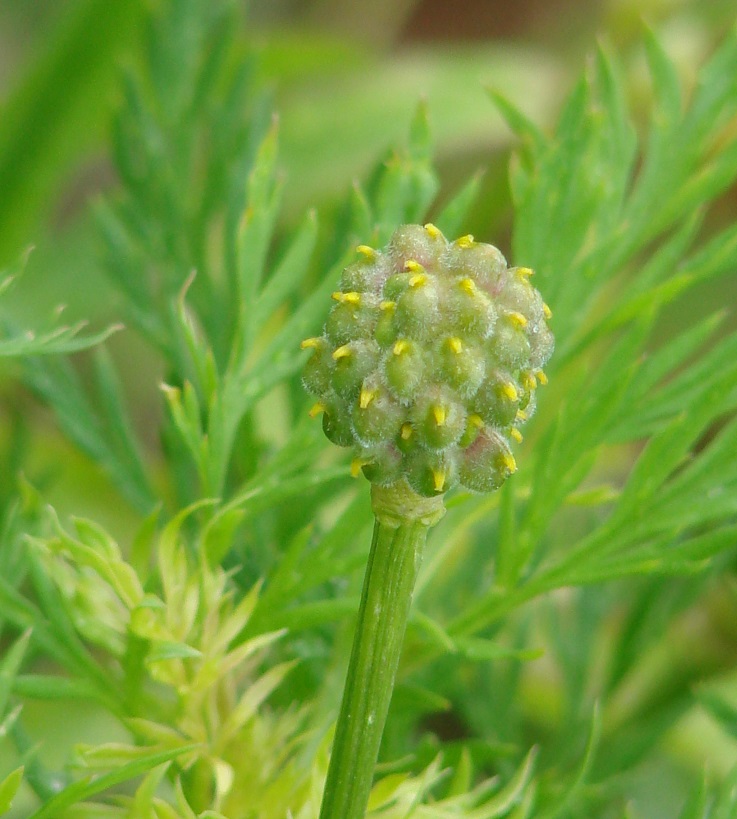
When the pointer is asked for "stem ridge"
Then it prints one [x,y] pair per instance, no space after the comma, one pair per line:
[394,561]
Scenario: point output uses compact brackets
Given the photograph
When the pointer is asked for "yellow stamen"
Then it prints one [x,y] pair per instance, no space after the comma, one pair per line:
[356,466]
[525,272]
[508,462]
[342,352]
[432,230]
[469,285]
[413,267]
[366,251]
[366,397]
[347,298]
[406,431]
[547,312]
[387,305]
[455,344]
[310,342]
[400,346]
[529,381]
[317,409]
[521,416]
[515,434]
[541,377]
[517,320]
[465,241]
[508,390]
[440,415]
[418,280]
[438,479]
[476,420]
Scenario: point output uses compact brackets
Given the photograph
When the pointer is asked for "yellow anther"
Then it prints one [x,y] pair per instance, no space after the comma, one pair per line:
[547,312]
[406,431]
[356,465]
[342,352]
[412,266]
[465,241]
[387,305]
[521,416]
[515,434]
[418,280]
[366,397]
[440,415]
[525,272]
[438,479]
[508,462]
[432,230]
[400,346]
[366,251]
[476,420]
[310,342]
[529,381]
[508,390]
[317,409]
[469,285]
[541,377]
[517,320]
[347,298]
[455,344]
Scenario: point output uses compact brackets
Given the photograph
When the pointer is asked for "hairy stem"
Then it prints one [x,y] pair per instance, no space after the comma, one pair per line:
[400,531]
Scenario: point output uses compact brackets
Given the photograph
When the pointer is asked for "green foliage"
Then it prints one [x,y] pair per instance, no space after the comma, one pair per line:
[206,610]
[60,339]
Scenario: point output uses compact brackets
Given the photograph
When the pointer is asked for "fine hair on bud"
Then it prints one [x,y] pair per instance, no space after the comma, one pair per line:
[430,361]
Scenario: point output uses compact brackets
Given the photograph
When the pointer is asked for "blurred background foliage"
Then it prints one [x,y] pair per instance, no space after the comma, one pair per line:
[344,78]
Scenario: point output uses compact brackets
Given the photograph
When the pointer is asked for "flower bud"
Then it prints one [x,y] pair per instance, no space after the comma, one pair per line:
[542,344]
[317,374]
[484,264]
[468,310]
[404,368]
[486,463]
[416,314]
[438,418]
[336,423]
[376,415]
[424,245]
[510,345]
[381,464]
[462,365]
[432,473]
[429,362]
[354,316]
[354,361]
[497,399]
[367,274]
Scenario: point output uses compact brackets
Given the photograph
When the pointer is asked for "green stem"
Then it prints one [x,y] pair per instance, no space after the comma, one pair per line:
[400,531]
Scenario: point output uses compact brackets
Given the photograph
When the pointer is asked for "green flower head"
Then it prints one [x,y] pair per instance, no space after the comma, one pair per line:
[429,362]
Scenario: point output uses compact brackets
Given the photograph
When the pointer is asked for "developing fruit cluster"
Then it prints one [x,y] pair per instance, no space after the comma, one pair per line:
[429,361]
